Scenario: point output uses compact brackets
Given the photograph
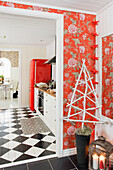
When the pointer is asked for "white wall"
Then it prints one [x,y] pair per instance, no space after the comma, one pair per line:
[105,27]
[27,53]
[50,54]
[14,77]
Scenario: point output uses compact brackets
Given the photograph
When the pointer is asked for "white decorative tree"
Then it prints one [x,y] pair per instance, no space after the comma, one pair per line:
[89,89]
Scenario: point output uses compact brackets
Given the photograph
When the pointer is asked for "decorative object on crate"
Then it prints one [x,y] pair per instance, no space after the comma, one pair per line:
[99,153]
[82,143]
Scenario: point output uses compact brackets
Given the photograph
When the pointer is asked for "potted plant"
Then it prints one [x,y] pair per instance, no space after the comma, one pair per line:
[1,79]
[82,143]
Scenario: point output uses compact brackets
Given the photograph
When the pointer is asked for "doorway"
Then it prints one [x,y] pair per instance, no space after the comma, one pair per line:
[59,69]
[9,71]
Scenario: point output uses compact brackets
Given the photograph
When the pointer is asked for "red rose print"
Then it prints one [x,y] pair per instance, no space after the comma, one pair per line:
[72,28]
[72,62]
[71,130]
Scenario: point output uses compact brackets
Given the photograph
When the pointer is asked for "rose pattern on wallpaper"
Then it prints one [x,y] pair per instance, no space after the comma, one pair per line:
[78,39]
[107,76]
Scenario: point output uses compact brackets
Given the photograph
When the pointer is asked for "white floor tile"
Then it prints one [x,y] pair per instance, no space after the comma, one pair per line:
[10,130]
[48,139]
[10,136]
[34,151]
[11,155]
[26,135]
[52,147]
[9,103]
[11,124]
[11,144]
[45,133]
[31,142]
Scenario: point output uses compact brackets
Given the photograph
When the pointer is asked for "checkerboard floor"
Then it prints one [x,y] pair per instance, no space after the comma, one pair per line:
[14,145]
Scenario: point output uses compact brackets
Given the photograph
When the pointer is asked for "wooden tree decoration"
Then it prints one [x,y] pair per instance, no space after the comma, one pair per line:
[73,104]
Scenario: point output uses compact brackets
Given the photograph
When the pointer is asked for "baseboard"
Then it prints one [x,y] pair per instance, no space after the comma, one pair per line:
[68,152]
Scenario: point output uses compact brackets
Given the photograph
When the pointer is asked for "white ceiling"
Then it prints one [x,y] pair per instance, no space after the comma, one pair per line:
[23,30]
[85,5]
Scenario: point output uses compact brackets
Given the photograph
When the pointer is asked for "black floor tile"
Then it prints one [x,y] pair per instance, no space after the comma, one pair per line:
[3,161]
[74,159]
[45,153]
[20,139]
[3,151]
[42,144]
[3,134]
[43,165]
[3,141]
[24,157]
[19,167]
[51,134]
[22,148]
[28,116]
[3,127]
[82,168]
[15,117]
[38,136]
[61,164]
[15,121]
[17,126]
[19,132]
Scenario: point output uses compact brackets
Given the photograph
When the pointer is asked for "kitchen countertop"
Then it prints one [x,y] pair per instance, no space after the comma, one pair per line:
[45,91]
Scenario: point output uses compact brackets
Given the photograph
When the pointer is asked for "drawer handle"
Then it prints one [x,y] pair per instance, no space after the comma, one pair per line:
[46,100]
[55,120]
[46,111]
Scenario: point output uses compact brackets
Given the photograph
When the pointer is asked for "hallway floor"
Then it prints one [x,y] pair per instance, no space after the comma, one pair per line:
[16,146]
[65,163]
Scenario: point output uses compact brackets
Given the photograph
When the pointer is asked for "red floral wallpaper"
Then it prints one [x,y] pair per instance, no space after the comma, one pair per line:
[78,39]
[107,76]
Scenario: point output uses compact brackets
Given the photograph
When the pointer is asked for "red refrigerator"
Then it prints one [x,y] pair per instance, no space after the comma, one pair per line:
[39,72]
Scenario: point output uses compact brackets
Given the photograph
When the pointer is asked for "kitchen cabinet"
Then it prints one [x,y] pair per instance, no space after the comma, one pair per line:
[49,116]
[36,99]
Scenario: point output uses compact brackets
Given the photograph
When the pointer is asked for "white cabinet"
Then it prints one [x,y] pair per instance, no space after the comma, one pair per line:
[50,111]
[36,100]
[49,116]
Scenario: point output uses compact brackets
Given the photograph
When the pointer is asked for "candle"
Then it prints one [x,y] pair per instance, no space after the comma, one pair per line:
[102,161]
[95,161]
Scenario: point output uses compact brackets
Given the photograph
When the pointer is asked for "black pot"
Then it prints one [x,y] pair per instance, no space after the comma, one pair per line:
[82,143]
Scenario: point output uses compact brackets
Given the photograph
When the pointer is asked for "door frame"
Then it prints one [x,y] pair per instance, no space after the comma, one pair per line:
[59,66]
